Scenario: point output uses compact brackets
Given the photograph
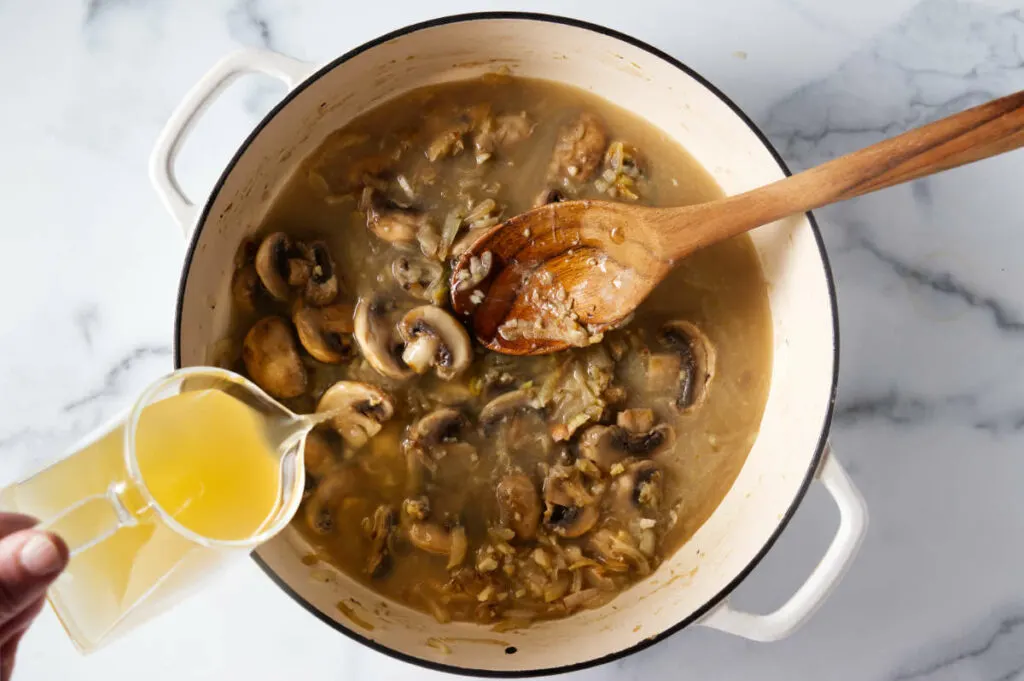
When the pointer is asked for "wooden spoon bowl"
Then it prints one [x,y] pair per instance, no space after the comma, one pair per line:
[563,274]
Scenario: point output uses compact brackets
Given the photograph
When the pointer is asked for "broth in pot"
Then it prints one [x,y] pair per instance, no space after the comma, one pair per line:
[472,485]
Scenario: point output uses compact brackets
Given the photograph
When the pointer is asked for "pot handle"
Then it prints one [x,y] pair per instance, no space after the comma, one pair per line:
[853,522]
[161,162]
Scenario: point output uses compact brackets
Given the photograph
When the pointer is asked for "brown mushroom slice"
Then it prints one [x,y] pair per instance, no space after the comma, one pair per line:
[519,505]
[569,509]
[319,455]
[320,508]
[359,410]
[321,287]
[698,362]
[280,262]
[419,277]
[433,338]
[373,334]
[392,222]
[607,445]
[441,541]
[246,289]
[272,359]
[579,148]
[572,521]
[439,426]
[326,332]
[637,490]
[505,406]
[382,528]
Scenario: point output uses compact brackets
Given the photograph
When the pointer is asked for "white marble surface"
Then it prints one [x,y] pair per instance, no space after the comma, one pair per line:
[931,409]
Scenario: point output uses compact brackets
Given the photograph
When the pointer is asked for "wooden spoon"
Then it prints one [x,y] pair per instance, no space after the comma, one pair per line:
[564,273]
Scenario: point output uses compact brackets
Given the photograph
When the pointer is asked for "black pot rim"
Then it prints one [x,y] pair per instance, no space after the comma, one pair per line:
[826,424]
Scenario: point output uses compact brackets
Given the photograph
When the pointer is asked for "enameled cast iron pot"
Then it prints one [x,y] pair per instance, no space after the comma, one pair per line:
[791,450]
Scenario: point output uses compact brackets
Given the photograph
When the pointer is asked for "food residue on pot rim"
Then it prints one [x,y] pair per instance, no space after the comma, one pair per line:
[350,613]
[441,643]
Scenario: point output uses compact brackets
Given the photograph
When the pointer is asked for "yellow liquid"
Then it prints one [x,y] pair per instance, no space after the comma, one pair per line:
[206,462]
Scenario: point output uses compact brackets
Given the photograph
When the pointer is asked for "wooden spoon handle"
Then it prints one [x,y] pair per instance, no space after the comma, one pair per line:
[969,136]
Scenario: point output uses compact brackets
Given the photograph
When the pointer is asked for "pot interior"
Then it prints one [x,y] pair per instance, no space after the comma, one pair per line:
[788,445]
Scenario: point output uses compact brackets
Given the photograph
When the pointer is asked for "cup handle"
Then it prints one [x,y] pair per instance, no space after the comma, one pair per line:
[853,521]
[91,520]
[183,120]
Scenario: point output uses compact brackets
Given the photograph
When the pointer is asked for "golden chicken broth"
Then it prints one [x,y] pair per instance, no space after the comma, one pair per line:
[472,485]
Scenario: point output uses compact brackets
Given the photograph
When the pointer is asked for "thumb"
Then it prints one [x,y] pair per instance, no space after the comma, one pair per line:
[29,561]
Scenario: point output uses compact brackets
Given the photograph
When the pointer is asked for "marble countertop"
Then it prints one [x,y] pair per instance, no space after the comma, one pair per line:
[930,417]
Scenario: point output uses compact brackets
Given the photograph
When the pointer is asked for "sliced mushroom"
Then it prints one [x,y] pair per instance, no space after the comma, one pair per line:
[391,222]
[437,427]
[439,540]
[359,410]
[419,277]
[572,521]
[505,406]
[579,149]
[272,359]
[698,362]
[382,528]
[433,338]
[321,287]
[519,505]
[637,489]
[320,508]
[607,445]
[281,264]
[326,332]
[319,455]
[569,509]
[246,289]
[373,334]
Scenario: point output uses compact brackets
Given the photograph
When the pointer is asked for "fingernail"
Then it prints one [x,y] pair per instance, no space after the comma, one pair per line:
[40,556]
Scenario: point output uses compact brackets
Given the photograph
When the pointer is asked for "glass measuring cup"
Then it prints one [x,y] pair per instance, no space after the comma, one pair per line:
[123,505]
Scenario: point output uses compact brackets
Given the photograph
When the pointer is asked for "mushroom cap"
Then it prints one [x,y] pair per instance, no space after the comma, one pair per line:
[246,289]
[391,222]
[272,358]
[319,509]
[435,338]
[698,362]
[321,288]
[506,405]
[569,509]
[607,445]
[636,489]
[438,426]
[272,264]
[519,506]
[419,277]
[572,521]
[326,332]
[359,410]
[319,454]
[375,341]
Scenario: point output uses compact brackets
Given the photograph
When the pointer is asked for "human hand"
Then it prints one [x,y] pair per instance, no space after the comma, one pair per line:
[29,562]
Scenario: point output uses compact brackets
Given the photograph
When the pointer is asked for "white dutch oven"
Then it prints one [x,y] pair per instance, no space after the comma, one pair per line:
[791,450]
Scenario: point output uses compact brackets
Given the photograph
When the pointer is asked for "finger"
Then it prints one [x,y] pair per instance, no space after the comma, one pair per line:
[29,561]
[21,622]
[15,522]
[7,654]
